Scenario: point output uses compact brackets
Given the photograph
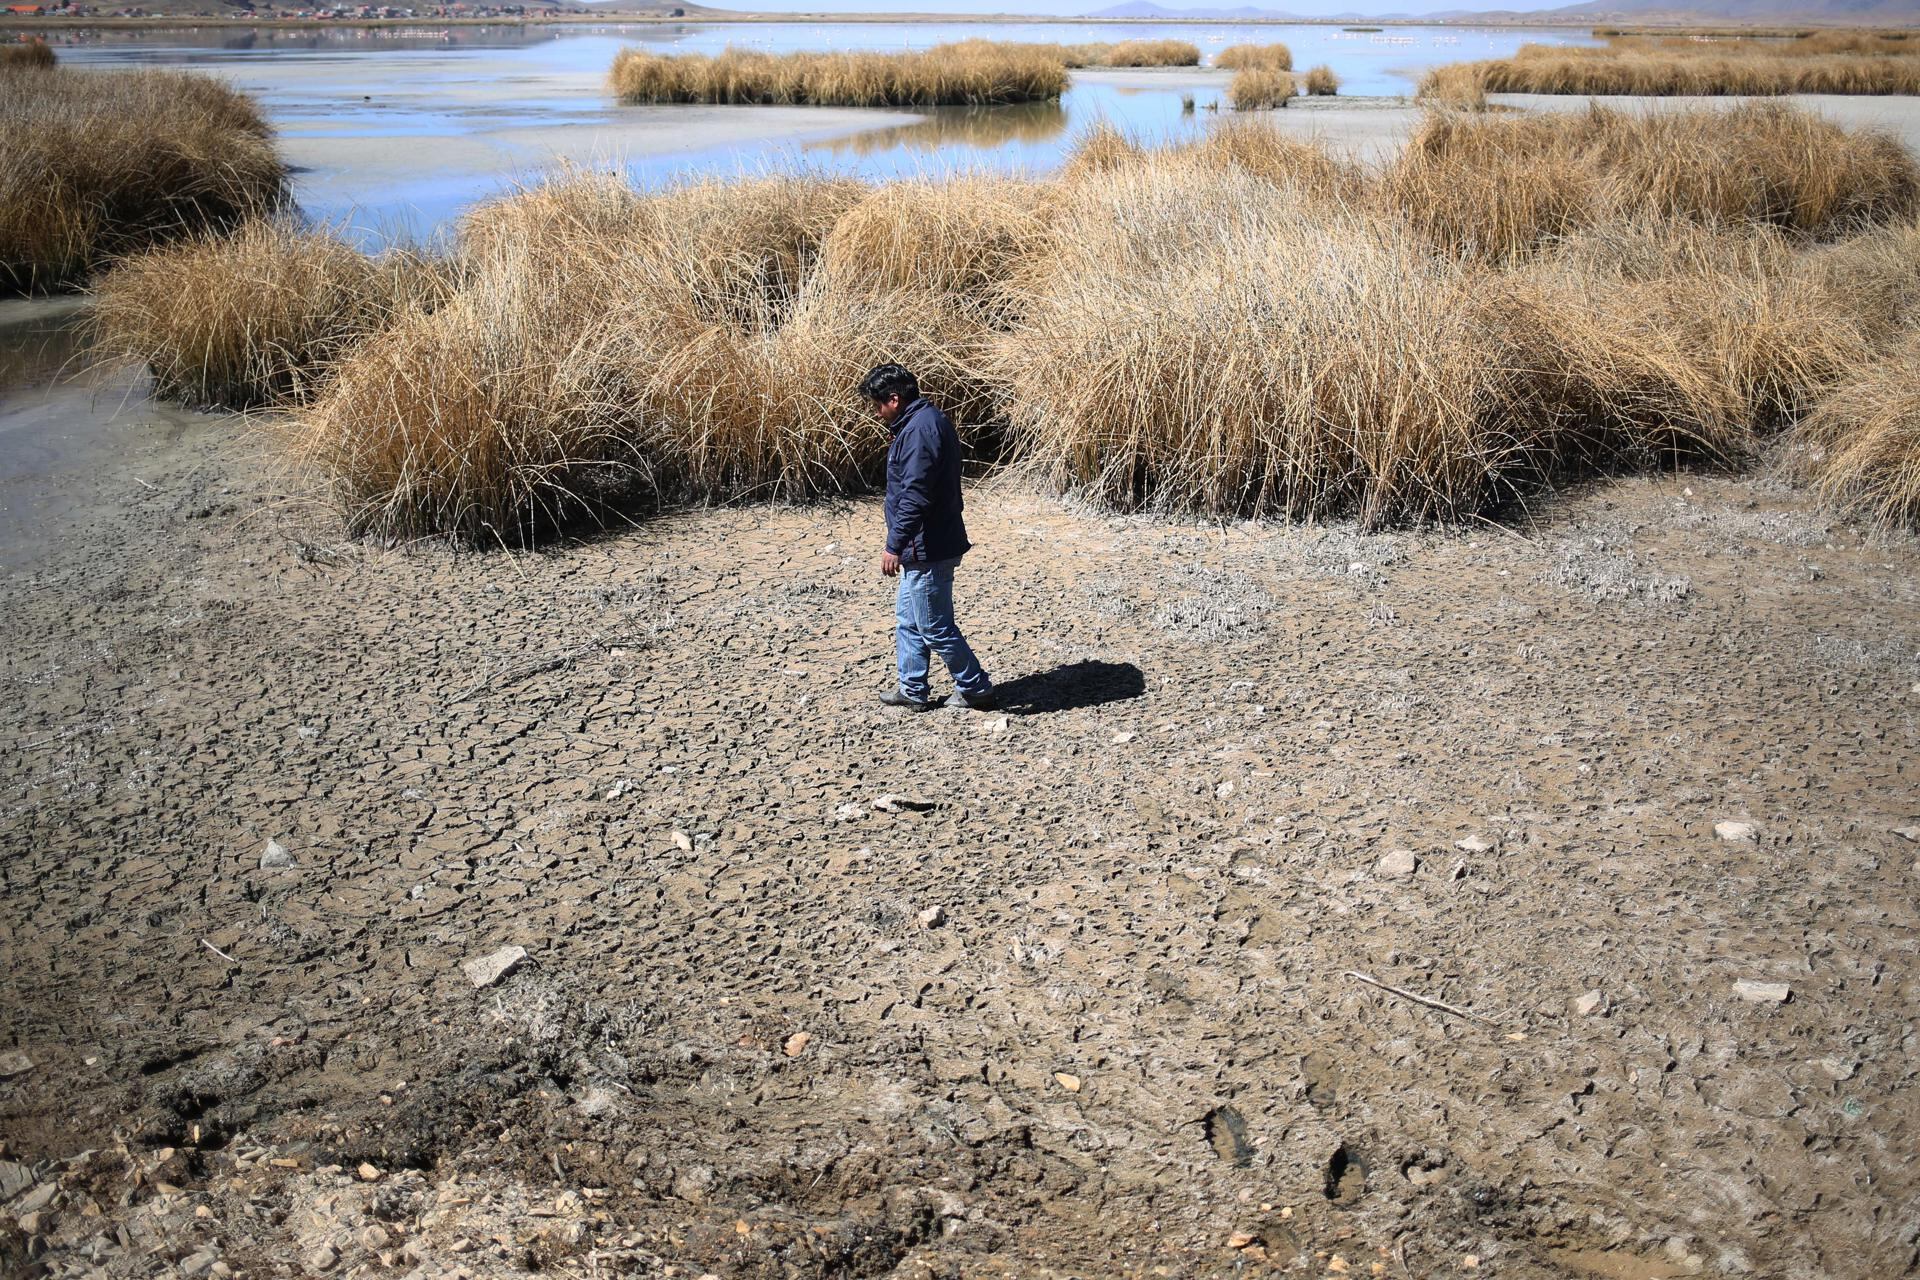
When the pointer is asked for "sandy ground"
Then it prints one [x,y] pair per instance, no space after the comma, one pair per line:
[817,988]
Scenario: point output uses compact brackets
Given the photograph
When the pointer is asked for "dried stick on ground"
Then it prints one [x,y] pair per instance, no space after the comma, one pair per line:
[1418,999]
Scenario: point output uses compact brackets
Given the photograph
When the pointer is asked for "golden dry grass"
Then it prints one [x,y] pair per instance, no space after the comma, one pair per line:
[969,73]
[1496,188]
[1241,324]
[27,55]
[1262,57]
[256,317]
[1860,446]
[99,163]
[1259,89]
[1322,82]
[1461,86]
[1152,53]
[1830,62]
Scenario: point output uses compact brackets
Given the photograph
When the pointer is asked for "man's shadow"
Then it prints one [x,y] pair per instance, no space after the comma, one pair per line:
[1068,688]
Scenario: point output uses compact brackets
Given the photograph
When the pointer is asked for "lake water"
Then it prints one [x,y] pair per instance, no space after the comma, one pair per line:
[395,130]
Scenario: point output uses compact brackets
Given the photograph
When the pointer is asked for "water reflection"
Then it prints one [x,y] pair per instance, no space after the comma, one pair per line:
[40,342]
[1029,122]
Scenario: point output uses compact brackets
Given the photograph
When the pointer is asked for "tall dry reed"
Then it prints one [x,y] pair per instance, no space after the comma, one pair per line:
[1860,446]
[1152,53]
[255,317]
[99,163]
[1836,62]
[970,73]
[1259,89]
[1248,57]
[1497,188]
[28,55]
[1322,82]
[1460,86]
[1201,340]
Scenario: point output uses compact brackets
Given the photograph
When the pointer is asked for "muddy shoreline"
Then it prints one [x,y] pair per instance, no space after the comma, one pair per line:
[1077,1001]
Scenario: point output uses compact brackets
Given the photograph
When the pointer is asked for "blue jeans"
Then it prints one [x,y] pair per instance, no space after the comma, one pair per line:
[923,620]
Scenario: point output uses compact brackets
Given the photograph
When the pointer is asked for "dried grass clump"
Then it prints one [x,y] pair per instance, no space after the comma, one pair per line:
[1872,279]
[94,164]
[1250,57]
[1322,82]
[1843,63]
[1153,53]
[1496,188]
[961,236]
[1257,89]
[1203,341]
[1103,148]
[970,72]
[1461,86]
[28,55]
[1860,446]
[256,317]
[1262,149]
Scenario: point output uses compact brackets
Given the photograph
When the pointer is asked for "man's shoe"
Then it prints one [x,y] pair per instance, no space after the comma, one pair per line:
[895,698]
[977,701]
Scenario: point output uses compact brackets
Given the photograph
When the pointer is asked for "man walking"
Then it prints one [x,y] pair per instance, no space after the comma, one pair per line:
[925,539]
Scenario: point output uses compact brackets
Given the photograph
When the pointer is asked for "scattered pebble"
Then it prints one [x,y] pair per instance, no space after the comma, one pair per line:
[1592,1002]
[1224,790]
[13,1062]
[1070,1083]
[275,857]
[847,813]
[1241,1239]
[1474,844]
[1459,871]
[797,1043]
[1907,833]
[324,1258]
[1735,830]
[997,725]
[1839,1068]
[1123,738]
[683,842]
[1763,992]
[1397,865]
[484,971]
[368,1173]
[932,917]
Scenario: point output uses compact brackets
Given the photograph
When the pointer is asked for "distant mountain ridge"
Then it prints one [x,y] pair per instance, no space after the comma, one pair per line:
[1884,12]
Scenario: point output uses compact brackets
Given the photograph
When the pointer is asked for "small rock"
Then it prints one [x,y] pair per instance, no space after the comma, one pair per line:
[1241,1239]
[620,788]
[30,1223]
[275,857]
[323,1258]
[41,1197]
[14,1178]
[1070,1083]
[484,971]
[1735,830]
[1592,1002]
[1397,865]
[368,1173]
[13,1062]
[797,1043]
[1222,791]
[1474,844]
[683,842]
[847,813]
[932,917]
[374,1236]
[1123,738]
[1338,1265]
[997,725]
[1763,992]
[1907,833]
[1459,871]
[1839,1068]
[197,1263]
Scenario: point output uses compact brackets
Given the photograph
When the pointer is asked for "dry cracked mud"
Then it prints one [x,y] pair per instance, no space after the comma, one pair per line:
[1129,1042]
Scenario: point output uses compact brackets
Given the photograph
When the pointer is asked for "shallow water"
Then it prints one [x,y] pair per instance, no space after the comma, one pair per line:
[395,131]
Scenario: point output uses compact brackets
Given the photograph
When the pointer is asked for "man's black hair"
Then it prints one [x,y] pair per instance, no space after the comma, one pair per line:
[889,380]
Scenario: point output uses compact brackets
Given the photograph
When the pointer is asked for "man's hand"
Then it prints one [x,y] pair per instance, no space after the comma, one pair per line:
[889,564]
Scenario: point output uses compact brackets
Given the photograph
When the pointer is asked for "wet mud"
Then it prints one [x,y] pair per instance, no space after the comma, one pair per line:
[1319,903]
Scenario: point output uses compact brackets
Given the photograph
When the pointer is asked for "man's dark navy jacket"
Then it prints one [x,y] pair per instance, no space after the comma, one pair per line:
[923,487]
